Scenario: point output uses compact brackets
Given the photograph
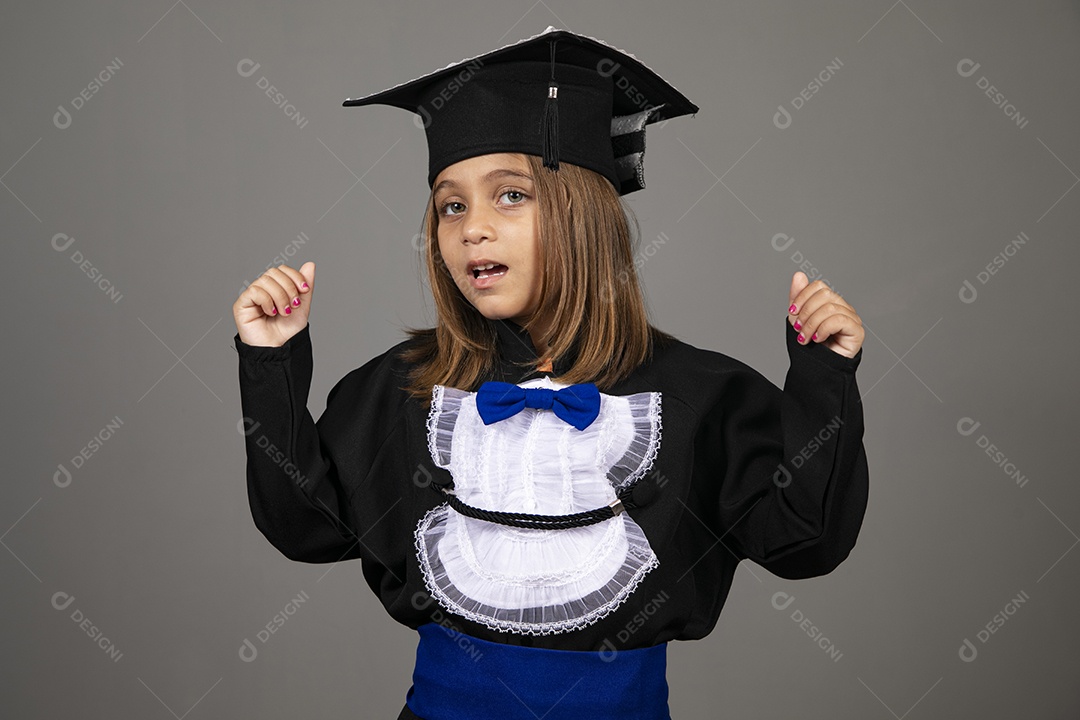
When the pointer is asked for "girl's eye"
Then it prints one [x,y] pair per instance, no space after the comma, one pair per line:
[512,197]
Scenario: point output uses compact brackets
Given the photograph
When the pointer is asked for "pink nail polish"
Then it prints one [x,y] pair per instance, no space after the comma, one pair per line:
[814,336]
[288,311]
[798,325]
[273,311]
[296,302]
[304,286]
[801,338]
[792,308]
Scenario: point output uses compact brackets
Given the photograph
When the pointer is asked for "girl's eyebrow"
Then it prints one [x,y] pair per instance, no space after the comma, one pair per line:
[493,175]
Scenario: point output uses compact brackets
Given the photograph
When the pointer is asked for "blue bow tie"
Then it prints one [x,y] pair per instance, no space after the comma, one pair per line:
[576,404]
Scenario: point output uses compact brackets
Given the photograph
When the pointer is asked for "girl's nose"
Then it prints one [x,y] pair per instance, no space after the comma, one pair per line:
[478,225]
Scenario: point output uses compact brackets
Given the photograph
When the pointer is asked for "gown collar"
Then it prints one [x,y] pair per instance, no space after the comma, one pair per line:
[515,345]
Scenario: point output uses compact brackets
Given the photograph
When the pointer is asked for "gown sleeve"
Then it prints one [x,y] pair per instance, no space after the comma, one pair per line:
[297,497]
[795,479]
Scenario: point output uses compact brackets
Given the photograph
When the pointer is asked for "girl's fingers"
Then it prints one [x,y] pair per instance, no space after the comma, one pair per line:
[813,297]
[841,333]
[803,295]
[295,276]
[289,282]
[267,295]
[273,297]
[277,291]
[825,321]
[274,294]
[821,315]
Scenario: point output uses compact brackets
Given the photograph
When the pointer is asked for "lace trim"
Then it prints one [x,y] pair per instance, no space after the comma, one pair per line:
[445,403]
[635,462]
[534,581]
[638,458]
[432,422]
[598,553]
[539,619]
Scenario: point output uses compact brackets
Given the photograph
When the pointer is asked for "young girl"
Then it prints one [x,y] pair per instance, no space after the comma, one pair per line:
[545,486]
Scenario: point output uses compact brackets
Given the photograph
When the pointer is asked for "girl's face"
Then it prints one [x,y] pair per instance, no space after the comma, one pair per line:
[486,209]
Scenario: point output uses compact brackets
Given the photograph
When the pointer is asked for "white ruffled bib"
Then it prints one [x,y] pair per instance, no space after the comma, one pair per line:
[530,581]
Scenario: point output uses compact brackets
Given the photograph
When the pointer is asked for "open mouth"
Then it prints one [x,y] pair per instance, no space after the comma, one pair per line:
[489,270]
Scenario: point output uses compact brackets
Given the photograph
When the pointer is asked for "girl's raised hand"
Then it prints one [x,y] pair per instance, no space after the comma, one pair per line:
[276,306]
[822,316]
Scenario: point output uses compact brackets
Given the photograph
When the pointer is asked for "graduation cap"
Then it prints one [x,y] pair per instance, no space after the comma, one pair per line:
[559,95]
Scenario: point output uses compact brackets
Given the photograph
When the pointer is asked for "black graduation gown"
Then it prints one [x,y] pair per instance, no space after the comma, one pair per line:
[744,470]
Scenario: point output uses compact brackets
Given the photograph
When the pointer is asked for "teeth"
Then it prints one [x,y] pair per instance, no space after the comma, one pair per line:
[481,268]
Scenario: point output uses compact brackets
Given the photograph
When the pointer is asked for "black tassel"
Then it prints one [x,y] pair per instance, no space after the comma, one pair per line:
[549,127]
[549,121]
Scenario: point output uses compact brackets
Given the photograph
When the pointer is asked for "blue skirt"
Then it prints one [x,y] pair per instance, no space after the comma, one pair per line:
[461,677]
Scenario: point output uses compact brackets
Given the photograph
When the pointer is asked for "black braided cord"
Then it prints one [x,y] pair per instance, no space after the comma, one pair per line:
[543,522]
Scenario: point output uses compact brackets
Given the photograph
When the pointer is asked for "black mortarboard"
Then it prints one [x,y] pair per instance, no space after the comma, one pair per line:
[560,95]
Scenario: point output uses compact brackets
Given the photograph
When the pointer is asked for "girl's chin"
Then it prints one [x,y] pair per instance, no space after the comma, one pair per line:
[499,311]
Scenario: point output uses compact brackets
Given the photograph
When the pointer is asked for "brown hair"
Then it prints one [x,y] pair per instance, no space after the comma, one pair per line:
[590,290]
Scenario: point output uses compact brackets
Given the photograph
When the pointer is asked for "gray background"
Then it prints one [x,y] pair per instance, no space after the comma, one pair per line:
[180,180]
